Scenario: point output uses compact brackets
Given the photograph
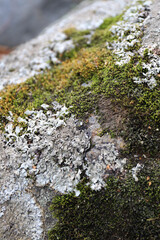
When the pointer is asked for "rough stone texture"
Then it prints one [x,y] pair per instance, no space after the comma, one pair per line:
[21,217]
[152,28]
[51,155]
[102,159]
[44,196]
[134,22]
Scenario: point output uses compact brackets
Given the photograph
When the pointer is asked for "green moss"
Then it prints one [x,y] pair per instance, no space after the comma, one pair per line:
[96,65]
[70,54]
[18,98]
[124,209]
[63,82]
[79,100]
[103,33]
[140,102]
[73,33]
[109,131]
[79,38]
[146,55]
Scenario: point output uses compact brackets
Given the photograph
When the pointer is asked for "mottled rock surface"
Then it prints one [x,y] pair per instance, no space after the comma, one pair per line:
[152,28]
[53,152]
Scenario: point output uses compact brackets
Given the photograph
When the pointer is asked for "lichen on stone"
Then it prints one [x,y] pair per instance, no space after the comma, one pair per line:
[88,127]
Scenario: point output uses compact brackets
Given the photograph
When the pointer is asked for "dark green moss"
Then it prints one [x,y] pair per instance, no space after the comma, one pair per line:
[80,101]
[141,103]
[124,209]
[146,55]
[112,133]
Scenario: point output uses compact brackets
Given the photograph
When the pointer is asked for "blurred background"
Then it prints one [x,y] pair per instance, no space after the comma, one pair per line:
[21,20]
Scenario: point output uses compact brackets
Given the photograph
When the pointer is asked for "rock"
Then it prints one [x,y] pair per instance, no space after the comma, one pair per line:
[152,30]
[21,20]
[4,50]
[50,150]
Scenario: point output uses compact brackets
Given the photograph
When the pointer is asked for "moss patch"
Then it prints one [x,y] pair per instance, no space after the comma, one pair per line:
[62,82]
[85,39]
[103,33]
[80,40]
[124,209]
[140,103]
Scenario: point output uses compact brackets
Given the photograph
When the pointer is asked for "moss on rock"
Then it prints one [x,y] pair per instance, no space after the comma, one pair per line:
[103,33]
[84,77]
[124,209]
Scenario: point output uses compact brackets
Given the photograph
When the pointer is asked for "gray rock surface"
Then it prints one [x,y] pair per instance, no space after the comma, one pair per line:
[52,153]
[152,28]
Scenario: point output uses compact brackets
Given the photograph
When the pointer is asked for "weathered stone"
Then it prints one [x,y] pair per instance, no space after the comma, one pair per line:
[51,154]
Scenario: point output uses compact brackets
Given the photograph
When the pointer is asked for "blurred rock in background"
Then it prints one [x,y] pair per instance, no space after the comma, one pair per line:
[4,50]
[21,20]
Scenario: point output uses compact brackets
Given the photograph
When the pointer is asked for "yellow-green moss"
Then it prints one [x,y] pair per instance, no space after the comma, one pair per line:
[99,37]
[103,33]
[73,33]
[74,72]
[79,39]
[50,85]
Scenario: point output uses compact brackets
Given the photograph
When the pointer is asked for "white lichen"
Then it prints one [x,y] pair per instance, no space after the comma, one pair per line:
[135,170]
[129,32]
[53,150]
[150,71]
